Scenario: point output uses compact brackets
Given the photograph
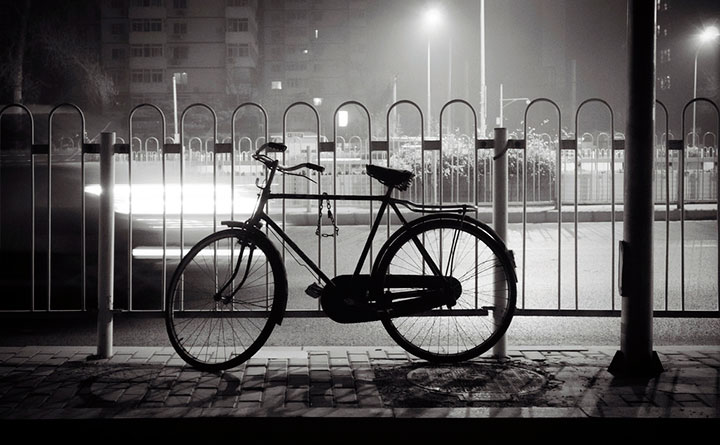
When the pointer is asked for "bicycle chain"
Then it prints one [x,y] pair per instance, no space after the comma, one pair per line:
[330,216]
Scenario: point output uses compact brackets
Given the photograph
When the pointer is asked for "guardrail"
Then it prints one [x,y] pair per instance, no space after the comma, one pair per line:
[204,179]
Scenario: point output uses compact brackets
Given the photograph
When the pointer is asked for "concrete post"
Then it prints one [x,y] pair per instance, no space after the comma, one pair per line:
[106,244]
[500,221]
[636,357]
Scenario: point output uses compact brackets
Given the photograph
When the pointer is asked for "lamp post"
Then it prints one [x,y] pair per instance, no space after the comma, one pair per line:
[709,34]
[432,19]
[177,78]
[504,102]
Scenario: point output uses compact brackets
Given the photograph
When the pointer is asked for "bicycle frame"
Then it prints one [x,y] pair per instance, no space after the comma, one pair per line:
[386,201]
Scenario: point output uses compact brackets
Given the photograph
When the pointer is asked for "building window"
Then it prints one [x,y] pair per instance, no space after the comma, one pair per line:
[180,52]
[147,3]
[147,25]
[118,54]
[238,50]
[146,50]
[117,29]
[180,4]
[117,77]
[665,56]
[117,4]
[146,76]
[237,3]
[180,28]
[237,25]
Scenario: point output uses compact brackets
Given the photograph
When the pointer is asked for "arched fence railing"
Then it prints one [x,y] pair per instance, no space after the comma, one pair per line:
[565,188]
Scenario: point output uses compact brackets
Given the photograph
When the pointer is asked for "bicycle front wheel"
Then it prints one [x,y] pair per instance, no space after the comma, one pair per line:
[224,299]
[485,307]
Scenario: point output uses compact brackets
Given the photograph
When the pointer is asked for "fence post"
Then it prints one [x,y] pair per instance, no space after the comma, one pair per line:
[106,244]
[500,220]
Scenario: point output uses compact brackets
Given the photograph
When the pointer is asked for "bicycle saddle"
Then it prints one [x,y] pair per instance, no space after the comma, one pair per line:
[400,179]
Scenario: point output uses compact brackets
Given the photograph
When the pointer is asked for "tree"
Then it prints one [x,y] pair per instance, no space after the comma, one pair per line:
[45,57]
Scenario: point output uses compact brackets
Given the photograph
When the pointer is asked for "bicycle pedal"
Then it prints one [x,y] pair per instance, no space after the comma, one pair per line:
[314,290]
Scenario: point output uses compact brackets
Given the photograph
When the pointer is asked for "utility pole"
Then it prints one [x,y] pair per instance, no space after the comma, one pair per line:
[483,87]
[636,356]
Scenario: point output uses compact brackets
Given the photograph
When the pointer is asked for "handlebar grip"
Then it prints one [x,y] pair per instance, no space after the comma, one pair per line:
[274,147]
[317,168]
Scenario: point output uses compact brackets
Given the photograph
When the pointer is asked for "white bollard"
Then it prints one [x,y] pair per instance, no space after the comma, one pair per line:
[500,220]
[106,246]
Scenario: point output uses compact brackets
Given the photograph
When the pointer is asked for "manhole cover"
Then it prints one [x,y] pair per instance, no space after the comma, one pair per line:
[478,382]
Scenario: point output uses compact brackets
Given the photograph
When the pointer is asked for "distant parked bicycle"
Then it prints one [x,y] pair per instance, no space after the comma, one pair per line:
[443,285]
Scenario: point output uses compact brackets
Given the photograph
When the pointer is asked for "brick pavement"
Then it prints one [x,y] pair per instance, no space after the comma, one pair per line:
[142,382]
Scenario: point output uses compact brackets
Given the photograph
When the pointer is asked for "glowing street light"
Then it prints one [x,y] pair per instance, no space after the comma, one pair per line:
[177,78]
[709,34]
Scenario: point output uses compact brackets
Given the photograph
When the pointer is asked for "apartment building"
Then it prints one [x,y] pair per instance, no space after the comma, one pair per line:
[213,42]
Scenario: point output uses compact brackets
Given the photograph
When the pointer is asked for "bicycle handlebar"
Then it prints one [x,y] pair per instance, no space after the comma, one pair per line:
[277,147]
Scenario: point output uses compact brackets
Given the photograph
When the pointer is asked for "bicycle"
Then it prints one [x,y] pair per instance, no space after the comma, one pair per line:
[443,285]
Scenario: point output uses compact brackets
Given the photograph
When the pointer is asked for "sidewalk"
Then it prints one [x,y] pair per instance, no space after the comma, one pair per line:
[152,382]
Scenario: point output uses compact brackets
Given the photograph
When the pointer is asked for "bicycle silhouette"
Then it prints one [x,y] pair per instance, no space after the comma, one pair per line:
[443,284]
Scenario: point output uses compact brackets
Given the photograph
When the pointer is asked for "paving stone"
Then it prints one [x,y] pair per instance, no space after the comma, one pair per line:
[156,395]
[138,388]
[177,400]
[343,377]
[693,404]
[320,389]
[297,361]
[320,376]
[253,382]
[209,381]
[250,396]
[120,358]
[298,394]
[358,357]
[182,389]
[321,401]
[261,362]
[255,371]
[33,401]
[274,397]
[339,363]
[298,380]
[344,395]
[223,401]
[202,397]
[377,354]
[277,375]
[297,405]
[710,399]
[159,359]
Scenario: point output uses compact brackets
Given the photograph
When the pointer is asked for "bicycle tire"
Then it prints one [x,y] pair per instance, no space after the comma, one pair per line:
[473,333]
[239,326]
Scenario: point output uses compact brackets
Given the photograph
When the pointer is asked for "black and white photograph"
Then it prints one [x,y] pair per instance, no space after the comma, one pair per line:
[365,220]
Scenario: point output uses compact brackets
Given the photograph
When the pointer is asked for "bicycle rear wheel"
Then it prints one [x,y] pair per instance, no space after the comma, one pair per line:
[224,299]
[483,310]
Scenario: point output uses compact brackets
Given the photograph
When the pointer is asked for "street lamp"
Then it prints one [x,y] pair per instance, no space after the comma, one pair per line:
[177,78]
[433,18]
[709,34]
[504,102]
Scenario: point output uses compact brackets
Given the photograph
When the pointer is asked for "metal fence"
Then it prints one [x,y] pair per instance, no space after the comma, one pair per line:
[565,193]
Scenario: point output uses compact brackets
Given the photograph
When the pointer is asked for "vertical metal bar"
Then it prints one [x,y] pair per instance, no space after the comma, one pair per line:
[49,213]
[575,216]
[559,206]
[164,230]
[106,254]
[500,220]
[130,219]
[612,213]
[681,203]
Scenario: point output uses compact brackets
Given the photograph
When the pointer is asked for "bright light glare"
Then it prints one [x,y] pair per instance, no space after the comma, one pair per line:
[147,199]
[433,17]
[174,252]
[342,118]
[709,33]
